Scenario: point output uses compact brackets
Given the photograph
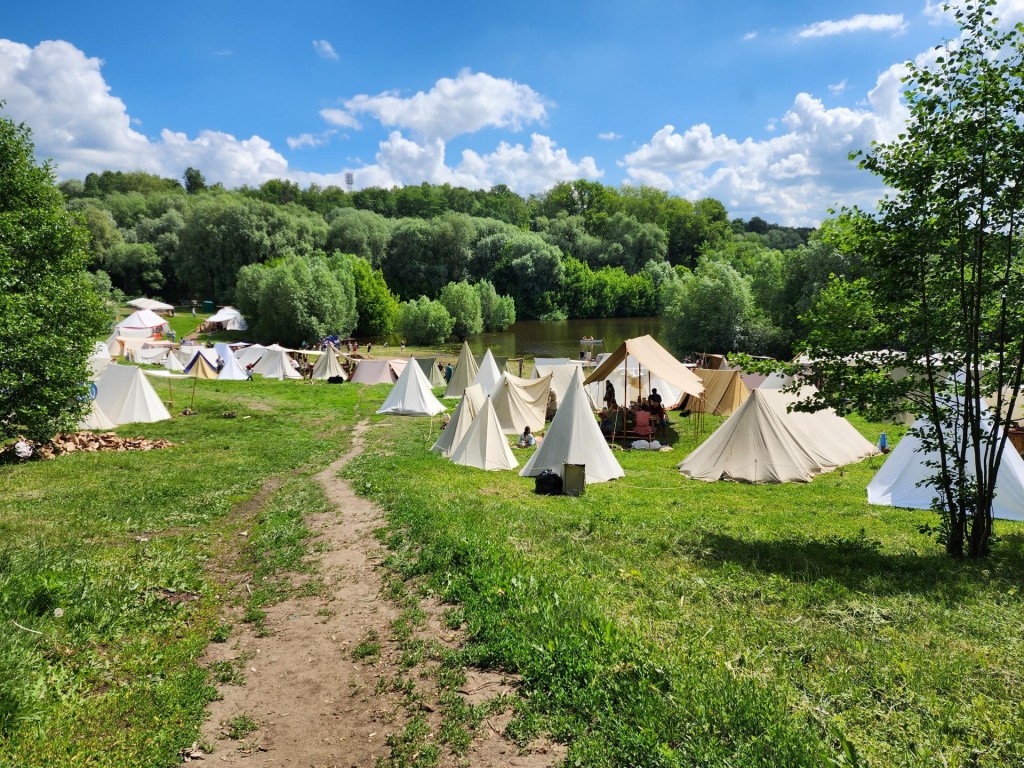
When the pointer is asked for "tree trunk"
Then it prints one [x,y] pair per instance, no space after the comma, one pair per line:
[981,535]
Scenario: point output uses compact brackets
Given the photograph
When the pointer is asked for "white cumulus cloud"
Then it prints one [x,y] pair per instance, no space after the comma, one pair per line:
[455,106]
[862,22]
[340,118]
[609,136]
[325,50]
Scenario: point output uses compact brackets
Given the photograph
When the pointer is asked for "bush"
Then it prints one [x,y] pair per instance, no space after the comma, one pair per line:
[424,322]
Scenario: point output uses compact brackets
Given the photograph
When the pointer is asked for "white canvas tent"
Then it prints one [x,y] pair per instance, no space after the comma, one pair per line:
[376,372]
[896,483]
[151,304]
[464,374]
[521,402]
[142,323]
[561,376]
[764,443]
[485,446]
[276,364]
[172,363]
[125,396]
[488,374]
[95,420]
[229,318]
[411,395]
[232,371]
[429,367]
[654,367]
[250,355]
[574,437]
[328,367]
[462,418]
[99,359]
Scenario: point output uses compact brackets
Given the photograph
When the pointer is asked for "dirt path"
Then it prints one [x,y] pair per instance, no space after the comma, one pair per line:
[313,704]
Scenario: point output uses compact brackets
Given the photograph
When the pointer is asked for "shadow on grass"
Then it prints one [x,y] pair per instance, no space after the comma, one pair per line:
[860,564]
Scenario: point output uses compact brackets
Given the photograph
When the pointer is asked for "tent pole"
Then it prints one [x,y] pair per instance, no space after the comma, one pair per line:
[195,381]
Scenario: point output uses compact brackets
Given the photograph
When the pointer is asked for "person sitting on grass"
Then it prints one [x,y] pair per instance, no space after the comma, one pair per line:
[526,439]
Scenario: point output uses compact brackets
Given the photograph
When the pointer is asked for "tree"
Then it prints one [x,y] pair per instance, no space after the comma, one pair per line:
[424,321]
[377,306]
[49,312]
[498,312]
[704,312]
[463,304]
[943,281]
[194,181]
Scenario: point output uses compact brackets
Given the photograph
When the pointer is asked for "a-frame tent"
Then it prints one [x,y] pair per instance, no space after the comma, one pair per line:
[462,418]
[95,420]
[429,367]
[464,374]
[276,364]
[200,368]
[654,361]
[574,437]
[411,395]
[485,446]
[521,402]
[125,395]
[724,392]
[232,371]
[327,366]
[488,374]
[374,372]
[250,355]
[763,442]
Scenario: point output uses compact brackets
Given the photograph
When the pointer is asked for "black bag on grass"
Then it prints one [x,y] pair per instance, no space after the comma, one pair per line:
[548,483]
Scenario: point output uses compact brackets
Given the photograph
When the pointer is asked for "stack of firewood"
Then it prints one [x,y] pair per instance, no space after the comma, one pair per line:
[87,441]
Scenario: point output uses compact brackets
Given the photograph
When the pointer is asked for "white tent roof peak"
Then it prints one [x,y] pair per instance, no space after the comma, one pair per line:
[411,395]
[488,374]
[464,374]
[485,446]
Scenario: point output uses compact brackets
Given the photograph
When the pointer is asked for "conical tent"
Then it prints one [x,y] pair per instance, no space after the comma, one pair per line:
[762,442]
[327,366]
[411,395]
[462,418]
[276,364]
[574,437]
[125,396]
[521,402]
[464,374]
[429,367]
[232,371]
[896,484]
[200,368]
[485,446]
[488,374]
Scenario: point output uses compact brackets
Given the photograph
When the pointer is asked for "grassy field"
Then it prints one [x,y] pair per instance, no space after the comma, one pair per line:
[655,620]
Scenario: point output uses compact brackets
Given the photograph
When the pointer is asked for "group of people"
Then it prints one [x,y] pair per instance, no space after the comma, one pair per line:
[616,419]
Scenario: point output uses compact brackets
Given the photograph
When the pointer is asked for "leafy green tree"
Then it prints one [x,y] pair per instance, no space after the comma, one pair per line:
[498,312]
[100,225]
[363,233]
[49,312]
[194,181]
[424,322]
[630,244]
[530,271]
[705,311]
[377,306]
[299,300]
[134,268]
[943,281]
[463,304]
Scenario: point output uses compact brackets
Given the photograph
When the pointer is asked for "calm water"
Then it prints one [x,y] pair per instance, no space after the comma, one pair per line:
[535,338]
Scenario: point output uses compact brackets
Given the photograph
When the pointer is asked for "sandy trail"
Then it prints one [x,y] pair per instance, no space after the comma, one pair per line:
[313,705]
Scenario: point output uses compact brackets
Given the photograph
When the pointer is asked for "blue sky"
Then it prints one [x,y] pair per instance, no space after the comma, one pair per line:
[756,104]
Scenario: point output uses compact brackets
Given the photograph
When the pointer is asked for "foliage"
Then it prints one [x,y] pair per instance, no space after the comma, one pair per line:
[377,306]
[497,312]
[424,321]
[463,304]
[363,233]
[943,282]
[49,313]
[705,311]
[298,301]
[529,271]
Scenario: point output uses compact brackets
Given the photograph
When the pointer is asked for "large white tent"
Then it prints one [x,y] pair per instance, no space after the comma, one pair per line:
[124,395]
[276,364]
[896,483]
[488,374]
[99,359]
[229,318]
[763,442]
[328,367]
[250,355]
[151,304]
[485,446]
[464,374]
[561,376]
[96,420]
[141,323]
[521,402]
[462,418]
[411,395]
[574,437]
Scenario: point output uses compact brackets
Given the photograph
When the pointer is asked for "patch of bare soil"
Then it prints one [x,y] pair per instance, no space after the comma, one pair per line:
[311,702]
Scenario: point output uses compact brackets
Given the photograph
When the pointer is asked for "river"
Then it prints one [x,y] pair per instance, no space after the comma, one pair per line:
[538,338]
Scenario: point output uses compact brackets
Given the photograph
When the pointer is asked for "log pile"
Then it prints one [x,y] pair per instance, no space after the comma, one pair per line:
[83,441]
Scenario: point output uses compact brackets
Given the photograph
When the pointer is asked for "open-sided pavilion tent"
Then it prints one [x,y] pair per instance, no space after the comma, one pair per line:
[469,406]
[654,363]
[411,395]
[464,373]
[574,437]
[429,367]
[151,304]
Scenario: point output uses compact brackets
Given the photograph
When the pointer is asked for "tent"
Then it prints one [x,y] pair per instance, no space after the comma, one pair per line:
[762,442]
[199,367]
[653,364]
[896,483]
[142,323]
[488,374]
[99,359]
[276,364]
[151,304]
[521,402]
[327,366]
[229,318]
[500,361]
[232,371]
[574,437]
[561,376]
[376,372]
[462,417]
[724,392]
[411,395]
[125,396]
[429,367]
[95,420]
[250,355]
[465,372]
[484,446]
[172,363]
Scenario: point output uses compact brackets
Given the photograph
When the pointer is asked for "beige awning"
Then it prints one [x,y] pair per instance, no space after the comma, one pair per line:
[656,359]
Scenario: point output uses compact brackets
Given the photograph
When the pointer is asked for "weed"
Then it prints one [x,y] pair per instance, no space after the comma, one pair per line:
[239,727]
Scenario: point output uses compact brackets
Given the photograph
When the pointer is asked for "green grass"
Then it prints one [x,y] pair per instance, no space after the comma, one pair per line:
[107,597]
[662,621]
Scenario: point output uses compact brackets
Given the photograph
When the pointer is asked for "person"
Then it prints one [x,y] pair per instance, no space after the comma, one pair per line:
[220,363]
[403,346]
[609,394]
[448,373]
[173,335]
[193,311]
[654,398]
[526,439]
[248,370]
[369,346]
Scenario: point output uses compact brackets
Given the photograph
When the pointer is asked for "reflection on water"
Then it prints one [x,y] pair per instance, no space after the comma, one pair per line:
[536,338]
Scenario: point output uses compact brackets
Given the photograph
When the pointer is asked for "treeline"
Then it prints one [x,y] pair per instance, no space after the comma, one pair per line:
[581,249]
